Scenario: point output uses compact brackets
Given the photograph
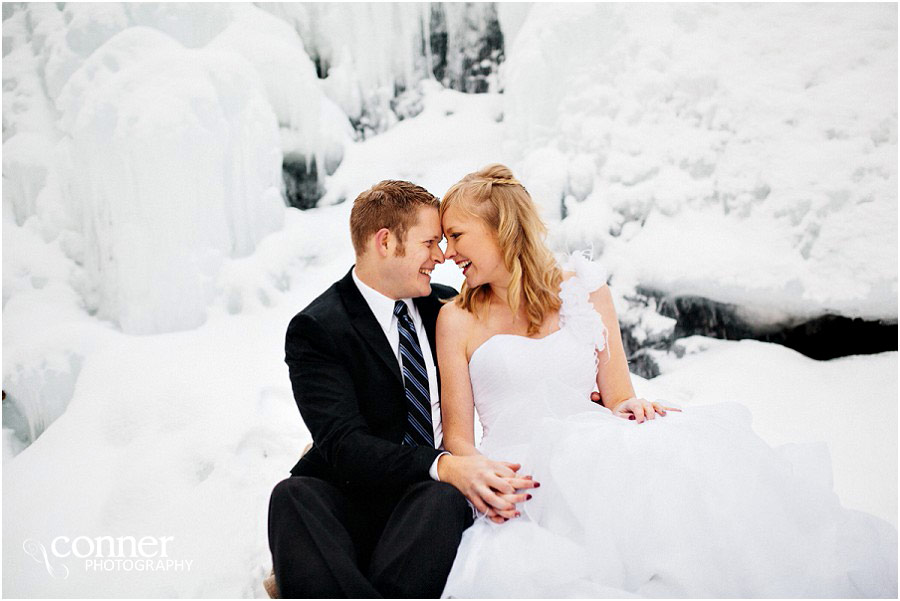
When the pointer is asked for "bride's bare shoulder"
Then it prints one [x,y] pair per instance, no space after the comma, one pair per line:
[568,274]
[454,317]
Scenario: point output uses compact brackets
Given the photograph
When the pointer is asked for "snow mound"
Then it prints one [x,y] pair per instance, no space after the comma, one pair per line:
[770,163]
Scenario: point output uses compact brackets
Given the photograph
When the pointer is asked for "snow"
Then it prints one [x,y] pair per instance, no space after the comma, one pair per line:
[367,53]
[150,267]
[311,125]
[142,106]
[366,50]
[849,402]
[781,144]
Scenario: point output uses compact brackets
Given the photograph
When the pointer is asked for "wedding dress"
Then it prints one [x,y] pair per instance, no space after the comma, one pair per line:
[692,504]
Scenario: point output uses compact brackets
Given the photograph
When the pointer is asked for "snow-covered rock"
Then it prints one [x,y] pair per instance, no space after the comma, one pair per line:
[770,163]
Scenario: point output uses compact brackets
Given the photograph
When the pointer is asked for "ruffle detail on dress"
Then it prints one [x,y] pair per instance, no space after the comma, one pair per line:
[592,274]
[576,312]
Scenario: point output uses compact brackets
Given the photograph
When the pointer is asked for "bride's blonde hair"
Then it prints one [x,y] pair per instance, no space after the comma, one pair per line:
[495,196]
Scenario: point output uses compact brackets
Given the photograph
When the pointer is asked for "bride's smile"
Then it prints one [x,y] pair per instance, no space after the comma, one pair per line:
[474,249]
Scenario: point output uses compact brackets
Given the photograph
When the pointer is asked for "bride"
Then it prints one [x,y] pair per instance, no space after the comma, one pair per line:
[664,504]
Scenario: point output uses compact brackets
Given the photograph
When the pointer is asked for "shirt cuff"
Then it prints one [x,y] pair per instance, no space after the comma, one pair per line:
[433,470]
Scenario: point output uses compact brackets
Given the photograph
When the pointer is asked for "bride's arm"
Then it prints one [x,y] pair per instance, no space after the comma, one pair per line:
[457,402]
[490,485]
[613,378]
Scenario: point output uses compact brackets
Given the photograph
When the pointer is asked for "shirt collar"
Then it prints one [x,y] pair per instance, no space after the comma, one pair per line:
[382,306]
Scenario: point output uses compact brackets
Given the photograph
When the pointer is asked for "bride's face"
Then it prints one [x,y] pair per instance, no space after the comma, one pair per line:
[473,246]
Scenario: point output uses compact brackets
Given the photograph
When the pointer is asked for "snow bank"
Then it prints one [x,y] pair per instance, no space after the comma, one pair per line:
[850,403]
[180,434]
[167,435]
[766,156]
[185,434]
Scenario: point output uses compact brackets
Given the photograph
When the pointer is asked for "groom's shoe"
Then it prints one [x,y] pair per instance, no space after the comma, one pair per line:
[271,586]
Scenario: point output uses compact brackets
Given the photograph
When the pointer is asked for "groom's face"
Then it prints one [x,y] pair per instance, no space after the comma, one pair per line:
[410,273]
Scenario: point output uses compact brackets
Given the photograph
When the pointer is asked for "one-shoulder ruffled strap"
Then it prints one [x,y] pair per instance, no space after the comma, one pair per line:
[576,311]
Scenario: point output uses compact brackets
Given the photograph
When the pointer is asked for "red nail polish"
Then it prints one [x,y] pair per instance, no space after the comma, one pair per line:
[527,497]
[537,484]
[518,514]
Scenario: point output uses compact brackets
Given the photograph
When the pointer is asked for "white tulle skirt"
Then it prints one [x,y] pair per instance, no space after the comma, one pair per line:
[693,504]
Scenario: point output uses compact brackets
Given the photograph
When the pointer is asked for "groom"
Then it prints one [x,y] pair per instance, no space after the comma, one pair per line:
[375,508]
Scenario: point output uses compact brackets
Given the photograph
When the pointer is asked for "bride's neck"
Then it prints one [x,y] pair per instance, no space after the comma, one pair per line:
[501,293]
[501,298]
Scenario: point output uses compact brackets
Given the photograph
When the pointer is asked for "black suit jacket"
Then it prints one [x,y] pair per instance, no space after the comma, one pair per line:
[349,389]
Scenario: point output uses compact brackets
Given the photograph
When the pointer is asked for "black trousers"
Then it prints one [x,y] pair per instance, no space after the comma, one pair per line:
[327,543]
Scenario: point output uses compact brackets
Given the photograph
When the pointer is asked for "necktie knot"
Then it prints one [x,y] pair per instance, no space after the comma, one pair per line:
[400,309]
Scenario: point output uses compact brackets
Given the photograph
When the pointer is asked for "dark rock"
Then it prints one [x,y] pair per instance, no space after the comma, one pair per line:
[643,364]
[824,337]
[832,336]
[471,67]
[438,36]
[302,188]
[406,104]
[321,66]
[15,419]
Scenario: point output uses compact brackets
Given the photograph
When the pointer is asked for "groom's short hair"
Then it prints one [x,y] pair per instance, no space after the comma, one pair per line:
[391,204]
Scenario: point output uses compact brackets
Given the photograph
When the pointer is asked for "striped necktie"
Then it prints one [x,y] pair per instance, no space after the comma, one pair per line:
[419,430]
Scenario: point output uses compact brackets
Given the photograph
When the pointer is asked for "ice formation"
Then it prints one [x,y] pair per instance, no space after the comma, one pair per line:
[373,56]
[313,130]
[138,158]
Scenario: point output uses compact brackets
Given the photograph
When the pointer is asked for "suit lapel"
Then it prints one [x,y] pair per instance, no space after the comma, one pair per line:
[366,325]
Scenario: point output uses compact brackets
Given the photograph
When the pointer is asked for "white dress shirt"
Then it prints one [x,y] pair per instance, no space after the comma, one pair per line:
[383,309]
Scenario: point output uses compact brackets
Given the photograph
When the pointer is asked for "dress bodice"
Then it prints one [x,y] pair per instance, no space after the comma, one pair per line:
[517,380]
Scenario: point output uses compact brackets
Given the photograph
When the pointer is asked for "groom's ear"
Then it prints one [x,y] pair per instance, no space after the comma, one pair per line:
[382,241]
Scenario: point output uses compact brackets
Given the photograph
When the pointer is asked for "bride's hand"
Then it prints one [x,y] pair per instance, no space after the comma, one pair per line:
[640,409]
[516,498]
[491,486]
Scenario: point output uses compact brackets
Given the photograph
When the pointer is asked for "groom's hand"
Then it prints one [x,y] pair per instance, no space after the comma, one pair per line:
[491,486]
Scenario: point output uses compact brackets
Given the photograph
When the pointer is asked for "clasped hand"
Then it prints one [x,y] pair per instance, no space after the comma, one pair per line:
[493,487]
